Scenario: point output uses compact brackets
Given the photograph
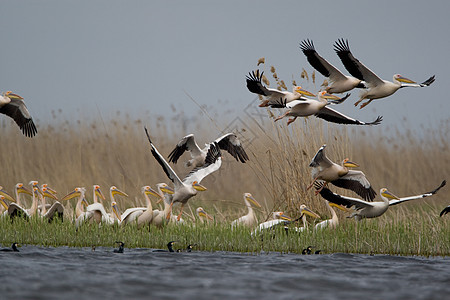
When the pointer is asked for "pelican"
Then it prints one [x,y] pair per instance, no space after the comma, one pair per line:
[186,189]
[377,87]
[364,209]
[98,208]
[334,221]
[304,211]
[339,175]
[21,189]
[160,217]
[55,210]
[4,205]
[319,109]
[250,218]
[278,218]
[202,215]
[15,210]
[340,83]
[5,196]
[13,106]
[141,215]
[271,96]
[228,142]
[80,214]
[445,211]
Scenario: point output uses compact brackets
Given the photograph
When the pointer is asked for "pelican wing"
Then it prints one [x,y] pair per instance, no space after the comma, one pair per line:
[319,63]
[185,144]
[357,182]
[255,85]
[320,159]
[353,65]
[18,111]
[231,143]
[395,201]
[334,116]
[342,200]
[56,210]
[166,167]
[445,211]
[131,214]
[213,161]
[15,210]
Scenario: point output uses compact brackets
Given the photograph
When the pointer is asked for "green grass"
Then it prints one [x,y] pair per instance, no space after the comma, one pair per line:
[427,237]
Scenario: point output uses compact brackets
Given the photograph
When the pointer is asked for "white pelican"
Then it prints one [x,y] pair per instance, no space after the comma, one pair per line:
[21,189]
[161,217]
[278,218]
[80,214]
[272,96]
[6,195]
[13,106]
[98,208]
[141,215]
[186,189]
[377,87]
[445,211]
[340,83]
[304,211]
[203,215]
[339,175]
[364,209]
[4,205]
[250,218]
[15,210]
[228,142]
[319,109]
[334,221]
[55,210]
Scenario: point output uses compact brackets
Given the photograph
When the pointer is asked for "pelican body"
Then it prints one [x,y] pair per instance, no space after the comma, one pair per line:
[13,106]
[250,218]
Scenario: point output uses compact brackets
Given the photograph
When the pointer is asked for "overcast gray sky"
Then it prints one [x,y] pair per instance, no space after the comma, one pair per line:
[93,58]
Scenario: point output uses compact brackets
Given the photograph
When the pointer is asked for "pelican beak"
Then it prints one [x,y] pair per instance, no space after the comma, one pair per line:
[168,190]
[202,213]
[253,200]
[304,92]
[343,208]
[116,211]
[2,201]
[331,96]
[6,195]
[71,195]
[116,191]
[84,201]
[24,190]
[99,193]
[153,193]
[284,217]
[198,186]
[350,164]
[52,190]
[389,195]
[310,213]
[404,79]
[11,95]
[48,194]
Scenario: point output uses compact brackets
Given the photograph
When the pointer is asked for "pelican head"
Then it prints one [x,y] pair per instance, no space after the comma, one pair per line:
[115,210]
[301,91]
[149,191]
[48,188]
[2,202]
[6,195]
[400,78]
[386,194]
[75,193]
[20,188]
[84,202]
[349,164]
[34,184]
[198,186]
[11,95]
[305,210]
[48,194]
[98,192]
[165,188]
[249,197]
[280,215]
[115,191]
[326,95]
[202,213]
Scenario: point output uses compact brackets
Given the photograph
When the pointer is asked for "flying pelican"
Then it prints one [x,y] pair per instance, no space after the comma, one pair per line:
[364,209]
[202,215]
[377,87]
[339,175]
[445,211]
[250,218]
[278,218]
[340,83]
[160,217]
[141,215]
[12,249]
[188,188]
[55,210]
[334,221]
[319,109]
[272,96]
[100,209]
[13,106]
[228,142]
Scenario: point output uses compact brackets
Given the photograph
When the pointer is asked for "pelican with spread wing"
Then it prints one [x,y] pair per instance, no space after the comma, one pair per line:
[13,106]
[340,83]
[190,185]
[228,142]
[339,175]
[364,209]
[376,87]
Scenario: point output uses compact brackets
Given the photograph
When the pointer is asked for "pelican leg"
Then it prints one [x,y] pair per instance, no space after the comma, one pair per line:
[357,102]
[310,186]
[291,120]
[319,190]
[170,212]
[181,211]
[282,116]
[365,104]
[265,103]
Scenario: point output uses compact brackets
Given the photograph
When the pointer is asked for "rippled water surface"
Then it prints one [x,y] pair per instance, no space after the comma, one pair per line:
[80,273]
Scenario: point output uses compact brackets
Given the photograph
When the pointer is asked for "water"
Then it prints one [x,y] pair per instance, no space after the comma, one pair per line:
[80,273]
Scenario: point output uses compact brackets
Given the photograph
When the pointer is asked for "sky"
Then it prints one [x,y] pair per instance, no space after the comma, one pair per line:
[94,58]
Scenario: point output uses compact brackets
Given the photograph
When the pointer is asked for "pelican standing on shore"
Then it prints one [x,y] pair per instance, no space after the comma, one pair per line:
[249,219]
[334,221]
[141,215]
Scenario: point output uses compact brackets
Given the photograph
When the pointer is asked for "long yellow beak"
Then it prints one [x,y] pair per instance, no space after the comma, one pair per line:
[389,195]
[116,211]
[304,92]
[309,212]
[116,191]
[6,195]
[350,164]
[202,213]
[405,80]
[24,190]
[71,195]
[47,194]
[330,96]
[168,190]
[253,200]
[198,187]
[343,208]
[99,194]
[2,201]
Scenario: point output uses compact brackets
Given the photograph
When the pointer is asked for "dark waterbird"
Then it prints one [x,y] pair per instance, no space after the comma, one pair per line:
[169,246]
[188,248]
[309,251]
[120,250]
[12,249]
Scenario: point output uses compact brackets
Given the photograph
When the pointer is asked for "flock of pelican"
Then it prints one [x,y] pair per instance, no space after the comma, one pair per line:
[207,160]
